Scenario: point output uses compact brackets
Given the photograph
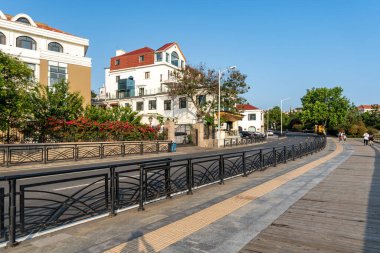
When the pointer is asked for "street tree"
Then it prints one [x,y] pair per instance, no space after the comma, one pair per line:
[325,106]
[52,102]
[199,85]
[16,79]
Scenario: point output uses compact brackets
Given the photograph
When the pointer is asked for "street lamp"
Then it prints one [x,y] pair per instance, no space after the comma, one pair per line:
[282,100]
[219,81]
[268,121]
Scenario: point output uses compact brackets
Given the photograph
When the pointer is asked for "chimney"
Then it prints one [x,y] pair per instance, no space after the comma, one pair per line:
[120,52]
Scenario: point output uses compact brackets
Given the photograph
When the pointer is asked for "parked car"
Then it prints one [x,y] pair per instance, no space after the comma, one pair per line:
[270,132]
[245,134]
[258,134]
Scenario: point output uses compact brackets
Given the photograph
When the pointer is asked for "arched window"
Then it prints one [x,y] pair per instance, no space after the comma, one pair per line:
[23,20]
[56,47]
[175,59]
[2,38]
[26,42]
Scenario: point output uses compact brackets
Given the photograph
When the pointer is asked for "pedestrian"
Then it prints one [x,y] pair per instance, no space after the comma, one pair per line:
[366,138]
[340,136]
[344,137]
[371,138]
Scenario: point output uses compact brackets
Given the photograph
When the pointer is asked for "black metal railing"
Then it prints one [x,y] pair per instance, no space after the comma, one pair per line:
[229,142]
[11,154]
[42,201]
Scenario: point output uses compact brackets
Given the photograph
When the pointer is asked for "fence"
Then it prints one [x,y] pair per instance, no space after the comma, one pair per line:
[229,142]
[43,201]
[12,154]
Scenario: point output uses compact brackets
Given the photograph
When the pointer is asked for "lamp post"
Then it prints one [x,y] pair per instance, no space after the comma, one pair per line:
[282,100]
[268,121]
[219,81]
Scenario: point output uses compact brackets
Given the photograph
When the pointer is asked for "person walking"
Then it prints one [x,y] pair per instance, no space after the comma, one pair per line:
[366,138]
[371,138]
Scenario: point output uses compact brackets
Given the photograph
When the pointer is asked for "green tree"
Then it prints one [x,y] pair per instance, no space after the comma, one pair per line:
[101,114]
[15,81]
[200,86]
[324,106]
[52,102]
[93,94]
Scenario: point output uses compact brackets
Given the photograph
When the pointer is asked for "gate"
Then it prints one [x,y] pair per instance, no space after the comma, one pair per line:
[182,133]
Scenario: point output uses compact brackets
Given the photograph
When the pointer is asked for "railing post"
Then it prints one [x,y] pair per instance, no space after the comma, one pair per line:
[122,149]
[44,154]
[285,154]
[301,152]
[8,156]
[274,157]
[76,152]
[113,191]
[293,153]
[261,160]
[12,214]
[2,213]
[158,147]
[189,178]
[244,167]
[221,169]
[141,148]
[167,180]
[141,191]
[101,151]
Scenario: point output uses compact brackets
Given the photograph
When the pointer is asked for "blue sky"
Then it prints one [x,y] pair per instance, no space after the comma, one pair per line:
[284,46]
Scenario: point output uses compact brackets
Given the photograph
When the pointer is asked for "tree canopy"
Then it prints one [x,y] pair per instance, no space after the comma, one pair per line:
[325,106]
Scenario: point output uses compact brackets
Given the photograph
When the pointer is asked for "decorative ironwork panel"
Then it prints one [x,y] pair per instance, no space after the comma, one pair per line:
[150,147]
[128,183]
[2,214]
[252,163]
[89,152]
[132,148]
[178,179]
[60,153]
[26,155]
[112,150]
[233,166]
[164,147]
[205,172]
[268,159]
[156,183]
[280,155]
[43,206]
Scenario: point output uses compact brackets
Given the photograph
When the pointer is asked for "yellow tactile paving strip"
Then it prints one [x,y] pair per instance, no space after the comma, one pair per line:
[165,236]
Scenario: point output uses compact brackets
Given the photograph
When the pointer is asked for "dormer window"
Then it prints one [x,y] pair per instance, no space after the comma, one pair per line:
[117,62]
[56,47]
[2,38]
[26,42]
[175,59]
[141,58]
[159,56]
[23,20]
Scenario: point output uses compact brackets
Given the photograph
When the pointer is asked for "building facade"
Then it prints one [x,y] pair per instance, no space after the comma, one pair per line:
[137,79]
[368,108]
[52,54]
[253,118]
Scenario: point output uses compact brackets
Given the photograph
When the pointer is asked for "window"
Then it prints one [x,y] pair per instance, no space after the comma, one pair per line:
[147,75]
[117,79]
[139,106]
[167,57]
[23,20]
[141,58]
[252,116]
[182,103]
[160,77]
[126,105]
[158,56]
[167,105]
[57,73]
[141,91]
[117,62]
[26,42]
[175,59]
[56,47]
[152,105]
[201,99]
[2,38]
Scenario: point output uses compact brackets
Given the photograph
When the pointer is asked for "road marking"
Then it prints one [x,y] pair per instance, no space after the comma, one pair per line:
[165,236]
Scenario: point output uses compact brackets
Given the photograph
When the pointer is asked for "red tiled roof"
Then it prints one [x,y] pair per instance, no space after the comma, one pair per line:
[140,51]
[246,107]
[166,46]
[366,106]
[41,25]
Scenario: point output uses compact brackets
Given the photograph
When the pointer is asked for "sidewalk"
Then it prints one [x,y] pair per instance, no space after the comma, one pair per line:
[216,218]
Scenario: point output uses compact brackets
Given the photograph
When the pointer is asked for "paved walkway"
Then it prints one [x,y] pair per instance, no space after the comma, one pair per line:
[234,216]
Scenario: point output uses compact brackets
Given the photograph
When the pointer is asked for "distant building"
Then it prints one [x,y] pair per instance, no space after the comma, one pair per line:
[253,119]
[368,108]
[52,54]
[137,79]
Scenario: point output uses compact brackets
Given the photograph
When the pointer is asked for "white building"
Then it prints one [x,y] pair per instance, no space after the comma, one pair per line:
[52,54]
[137,79]
[253,119]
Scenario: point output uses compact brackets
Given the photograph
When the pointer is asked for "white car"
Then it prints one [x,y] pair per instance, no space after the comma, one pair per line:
[270,133]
